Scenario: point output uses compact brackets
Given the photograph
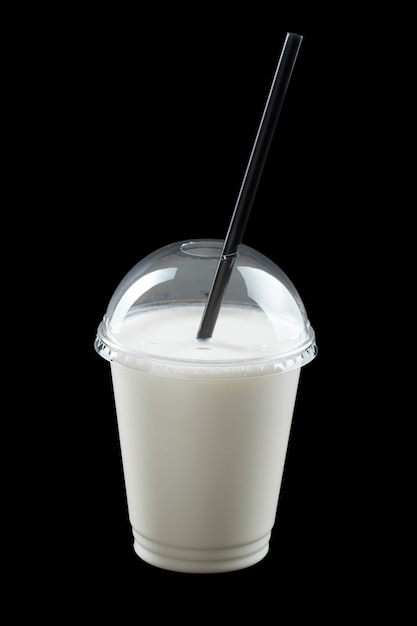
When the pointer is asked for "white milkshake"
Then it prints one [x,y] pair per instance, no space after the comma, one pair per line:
[204,425]
[203,455]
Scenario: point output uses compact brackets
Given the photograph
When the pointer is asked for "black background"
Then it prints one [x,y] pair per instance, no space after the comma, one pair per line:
[135,133]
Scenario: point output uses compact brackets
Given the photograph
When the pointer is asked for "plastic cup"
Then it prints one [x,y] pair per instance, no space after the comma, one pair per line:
[204,426]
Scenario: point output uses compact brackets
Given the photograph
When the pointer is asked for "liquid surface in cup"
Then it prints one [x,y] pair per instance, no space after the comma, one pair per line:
[240,333]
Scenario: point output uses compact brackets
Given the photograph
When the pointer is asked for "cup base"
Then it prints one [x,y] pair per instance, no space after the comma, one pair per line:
[206,561]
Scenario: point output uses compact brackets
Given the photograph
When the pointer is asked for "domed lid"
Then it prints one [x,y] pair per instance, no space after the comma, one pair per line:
[152,319]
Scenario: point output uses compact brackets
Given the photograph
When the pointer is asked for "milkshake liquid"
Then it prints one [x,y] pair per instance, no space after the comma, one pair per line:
[203,446]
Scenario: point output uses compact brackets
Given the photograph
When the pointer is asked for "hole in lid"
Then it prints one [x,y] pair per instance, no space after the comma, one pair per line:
[203,249]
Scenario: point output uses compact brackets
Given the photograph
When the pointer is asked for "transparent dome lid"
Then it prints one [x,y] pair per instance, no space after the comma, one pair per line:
[152,319]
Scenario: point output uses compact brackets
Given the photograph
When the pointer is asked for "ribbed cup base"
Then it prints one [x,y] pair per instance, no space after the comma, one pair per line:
[206,561]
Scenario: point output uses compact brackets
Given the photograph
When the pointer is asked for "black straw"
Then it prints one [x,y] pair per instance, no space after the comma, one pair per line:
[250,183]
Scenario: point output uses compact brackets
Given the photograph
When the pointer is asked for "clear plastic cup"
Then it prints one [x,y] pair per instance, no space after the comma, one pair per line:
[204,425]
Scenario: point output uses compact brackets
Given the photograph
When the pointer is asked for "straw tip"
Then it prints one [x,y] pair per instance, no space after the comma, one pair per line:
[295,35]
